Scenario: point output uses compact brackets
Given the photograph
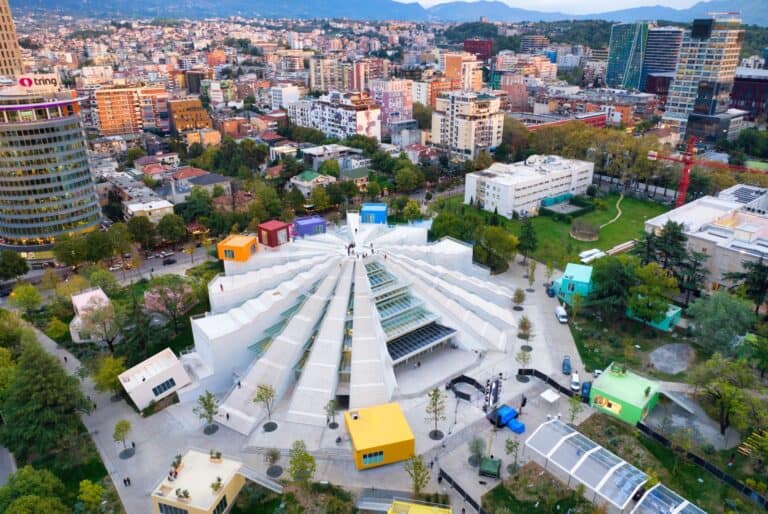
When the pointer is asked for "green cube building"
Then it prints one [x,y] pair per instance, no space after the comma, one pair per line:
[623,394]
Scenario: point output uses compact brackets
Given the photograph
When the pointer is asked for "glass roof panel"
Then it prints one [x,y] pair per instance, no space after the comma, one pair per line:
[621,485]
[547,436]
[571,451]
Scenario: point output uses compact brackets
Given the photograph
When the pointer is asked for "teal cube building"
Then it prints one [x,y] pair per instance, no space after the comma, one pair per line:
[576,279]
[665,324]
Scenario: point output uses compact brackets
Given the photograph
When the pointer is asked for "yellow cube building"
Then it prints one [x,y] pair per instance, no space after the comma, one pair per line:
[403,507]
[238,248]
[191,490]
[380,435]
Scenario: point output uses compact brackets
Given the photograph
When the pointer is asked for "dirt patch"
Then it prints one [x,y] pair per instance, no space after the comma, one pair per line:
[673,358]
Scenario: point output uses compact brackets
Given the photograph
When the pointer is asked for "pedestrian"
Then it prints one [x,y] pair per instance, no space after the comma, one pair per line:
[65,359]
[94,405]
[125,482]
[227,414]
[238,384]
[133,444]
[129,481]
[222,287]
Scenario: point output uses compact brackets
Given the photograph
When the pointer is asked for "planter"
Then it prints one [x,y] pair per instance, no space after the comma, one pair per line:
[524,379]
[210,429]
[127,453]
[517,308]
[270,426]
[436,435]
[333,425]
[274,471]
[526,348]
[473,461]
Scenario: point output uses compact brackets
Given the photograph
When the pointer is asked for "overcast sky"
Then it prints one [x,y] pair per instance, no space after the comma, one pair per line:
[580,6]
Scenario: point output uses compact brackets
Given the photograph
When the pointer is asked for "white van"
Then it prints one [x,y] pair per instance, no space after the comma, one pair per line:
[561,315]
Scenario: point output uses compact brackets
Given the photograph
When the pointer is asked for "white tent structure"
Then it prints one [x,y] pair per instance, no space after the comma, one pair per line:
[570,456]
[661,499]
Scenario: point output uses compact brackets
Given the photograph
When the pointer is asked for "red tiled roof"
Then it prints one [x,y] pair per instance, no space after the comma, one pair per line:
[188,172]
[155,169]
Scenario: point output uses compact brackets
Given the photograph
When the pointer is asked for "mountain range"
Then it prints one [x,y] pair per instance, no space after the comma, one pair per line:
[754,12]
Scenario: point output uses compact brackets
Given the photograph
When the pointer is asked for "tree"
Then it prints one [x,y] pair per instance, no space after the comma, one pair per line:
[373,190]
[720,318]
[133,154]
[524,328]
[120,238]
[106,281]
[419,473]
[98,246]
[511,447]
[49,280]
[518,297]
[435,410]
[523,358]
[34,504]
[30,481]
[99,322]
[576,302]
[754,277]
[172,229]
[693,274]
[548,272]
[320,199]
[483,160]
[106,378]
[648,299]
[476,448]
[142,231]
[331,409]
[7,371]
[301,465]
[412,211]
[173,297]
[423,115]
[207,407]
[329,167]
[25,297]
[407,178]
[528,240]
[265,395]
[40,414]
[681,443]
[69,250]
[726,384]
[198,204]
[73,285]
[757,351]
[531,273]
[91,494]
[12,265]
[671,246]
[495,247]
[122,428]
[612,278]
[575,407]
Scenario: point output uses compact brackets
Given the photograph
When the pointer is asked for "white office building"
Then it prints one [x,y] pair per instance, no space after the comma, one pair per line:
[520,187]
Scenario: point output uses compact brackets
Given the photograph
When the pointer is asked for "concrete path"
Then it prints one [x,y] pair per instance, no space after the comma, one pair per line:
[7,465]
[618,214]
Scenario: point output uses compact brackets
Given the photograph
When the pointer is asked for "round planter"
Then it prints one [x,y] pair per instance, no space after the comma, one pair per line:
[210,429]
[333,425]
[127,453]
[274,471]
[436,435]
[526,348]
[270,426]
[517,308]
[473,461]
[523,378]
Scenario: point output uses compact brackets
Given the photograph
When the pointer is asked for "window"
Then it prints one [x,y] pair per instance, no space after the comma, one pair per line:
[222,506]
[160,389]
[373,458]
[229,254]
[170,509]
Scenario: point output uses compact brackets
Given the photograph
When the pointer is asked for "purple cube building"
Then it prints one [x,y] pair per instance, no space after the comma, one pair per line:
[309,226]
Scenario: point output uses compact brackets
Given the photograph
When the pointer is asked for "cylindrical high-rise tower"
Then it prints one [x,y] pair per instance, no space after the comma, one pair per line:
[46,188]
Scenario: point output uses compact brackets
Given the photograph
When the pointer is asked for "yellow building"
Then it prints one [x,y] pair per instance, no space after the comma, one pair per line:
[237,248]
[380,435]
[403,507]
[202,485]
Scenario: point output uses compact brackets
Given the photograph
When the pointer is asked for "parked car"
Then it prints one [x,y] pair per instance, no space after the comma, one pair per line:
[566,365]
[116,267]
[551,292]
[561,315]
[586,387]
[168,261]
[166,254]
[575,382]
[597,373]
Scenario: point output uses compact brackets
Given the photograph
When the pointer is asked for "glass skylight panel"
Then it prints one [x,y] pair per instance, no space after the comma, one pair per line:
[595,467]
[622,483]
[571,451]
[547,436]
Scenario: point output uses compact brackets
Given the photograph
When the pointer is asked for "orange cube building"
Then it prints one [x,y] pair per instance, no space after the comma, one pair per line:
[237,248]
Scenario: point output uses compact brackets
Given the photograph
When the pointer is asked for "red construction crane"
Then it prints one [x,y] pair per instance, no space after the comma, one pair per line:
[688,160]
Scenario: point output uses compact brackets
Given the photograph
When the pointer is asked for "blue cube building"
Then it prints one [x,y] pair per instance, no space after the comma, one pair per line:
[309,225]
[374,213]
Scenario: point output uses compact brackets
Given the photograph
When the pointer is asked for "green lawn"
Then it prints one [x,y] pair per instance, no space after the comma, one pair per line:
[557,247]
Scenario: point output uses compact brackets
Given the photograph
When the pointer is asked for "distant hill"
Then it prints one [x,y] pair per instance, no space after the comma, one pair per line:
[753,11]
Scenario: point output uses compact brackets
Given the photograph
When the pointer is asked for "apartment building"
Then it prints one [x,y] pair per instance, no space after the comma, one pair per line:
[339,115]
[188,114]
[395,98]
[326,73]
[283,95]
[465,123]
